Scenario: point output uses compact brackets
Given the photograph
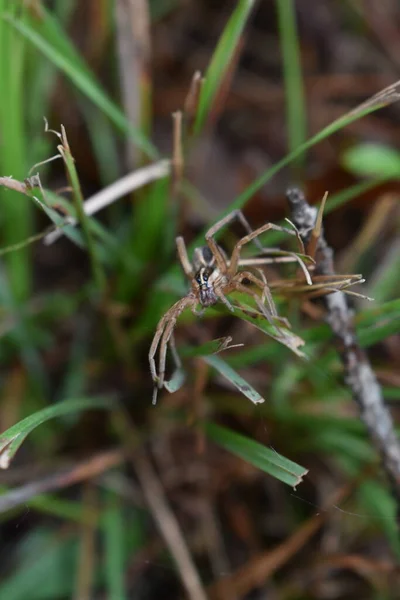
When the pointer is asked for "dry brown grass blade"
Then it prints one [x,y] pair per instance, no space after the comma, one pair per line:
[133,42]
[316,232]
[177,152]
[191,103]
[372,229]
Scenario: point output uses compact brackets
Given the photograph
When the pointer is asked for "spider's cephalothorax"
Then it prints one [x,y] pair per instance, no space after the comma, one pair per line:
[205,276]
[205,280]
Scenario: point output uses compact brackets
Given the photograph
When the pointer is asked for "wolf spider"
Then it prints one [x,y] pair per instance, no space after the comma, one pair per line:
[212,278]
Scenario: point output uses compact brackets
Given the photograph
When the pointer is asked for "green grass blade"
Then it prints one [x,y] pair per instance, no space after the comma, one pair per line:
[221,60]
[47,573]
[15,212]
[230,374]
[97,267]
[43,39]
[295,105]
[258,455]
[12,439]
[114,536]
[287,160]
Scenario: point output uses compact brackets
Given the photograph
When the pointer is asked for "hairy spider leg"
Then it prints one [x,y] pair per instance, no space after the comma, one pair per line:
[162,357]
[168,337]
[172,314]
[183,257]
[235,214]
[234,262]
[212,244]
[223,298]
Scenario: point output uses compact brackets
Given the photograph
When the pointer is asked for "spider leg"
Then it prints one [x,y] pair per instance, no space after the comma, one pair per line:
[234,262]
[162,357]
[235,284]
[264,287]
[266,294]
[198,313]
[212,244]
[160,339]
[224,299]
[183,257]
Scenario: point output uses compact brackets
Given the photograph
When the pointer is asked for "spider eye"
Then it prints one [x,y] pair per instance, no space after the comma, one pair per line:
[205,278]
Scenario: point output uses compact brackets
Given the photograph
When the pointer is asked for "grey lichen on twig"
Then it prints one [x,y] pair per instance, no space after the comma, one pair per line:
[359,375]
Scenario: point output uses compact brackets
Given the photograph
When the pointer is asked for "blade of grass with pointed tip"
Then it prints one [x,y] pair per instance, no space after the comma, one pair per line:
[256,454]
[221,60]
[97,267]
[231,375]
[283,335]
[12,439]
[50,39]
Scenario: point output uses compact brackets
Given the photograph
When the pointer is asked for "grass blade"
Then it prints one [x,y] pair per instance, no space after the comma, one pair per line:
[16,212]
[263,458]
[230,374]
[221,60]
[46,38]
[69,162]
[114,533]
[47,574]
[295,109]
[12,439]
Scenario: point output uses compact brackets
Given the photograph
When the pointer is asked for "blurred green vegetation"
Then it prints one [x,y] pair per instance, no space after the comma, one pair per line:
[128,276]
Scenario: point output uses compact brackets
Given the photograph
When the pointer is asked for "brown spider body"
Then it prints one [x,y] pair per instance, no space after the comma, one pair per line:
[212,278]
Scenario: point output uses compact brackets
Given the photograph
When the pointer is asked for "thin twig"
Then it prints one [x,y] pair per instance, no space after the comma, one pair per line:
[114,191]
[168,526]
[359,375]
[86,469]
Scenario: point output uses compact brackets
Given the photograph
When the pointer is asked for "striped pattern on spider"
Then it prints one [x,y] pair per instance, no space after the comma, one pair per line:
[213,277]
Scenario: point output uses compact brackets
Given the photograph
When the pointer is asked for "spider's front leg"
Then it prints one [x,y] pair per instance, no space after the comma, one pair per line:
[251,237]
[183,257]
[164,332]
[212,244]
